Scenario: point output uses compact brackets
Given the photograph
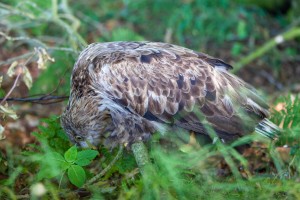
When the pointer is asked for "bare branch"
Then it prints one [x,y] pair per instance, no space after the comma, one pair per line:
[12,88]
[16,80]
[38,42]
[11,60]
[46,99]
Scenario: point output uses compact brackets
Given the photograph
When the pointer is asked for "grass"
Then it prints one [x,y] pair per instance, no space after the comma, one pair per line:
[195,173]
[50,167]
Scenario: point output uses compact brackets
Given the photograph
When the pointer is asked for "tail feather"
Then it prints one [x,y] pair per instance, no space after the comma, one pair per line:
[268,129]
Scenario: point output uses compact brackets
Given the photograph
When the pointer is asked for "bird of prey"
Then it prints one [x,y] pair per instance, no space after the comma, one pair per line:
[122,92]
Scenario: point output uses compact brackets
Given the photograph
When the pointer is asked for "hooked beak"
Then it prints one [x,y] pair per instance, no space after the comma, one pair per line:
[87,144]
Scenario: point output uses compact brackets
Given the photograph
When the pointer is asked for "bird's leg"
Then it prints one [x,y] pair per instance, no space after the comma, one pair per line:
[141,155]
[125,123]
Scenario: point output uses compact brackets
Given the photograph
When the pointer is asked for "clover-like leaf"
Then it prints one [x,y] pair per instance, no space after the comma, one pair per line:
[83,162]
[71,154]
[88,154]
[76,175]
[85,157]
[63,164]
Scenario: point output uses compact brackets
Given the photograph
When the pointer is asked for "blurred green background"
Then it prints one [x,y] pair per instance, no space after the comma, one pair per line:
[226,29]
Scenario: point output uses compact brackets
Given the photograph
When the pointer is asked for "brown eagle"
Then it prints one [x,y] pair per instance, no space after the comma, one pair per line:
[122,92]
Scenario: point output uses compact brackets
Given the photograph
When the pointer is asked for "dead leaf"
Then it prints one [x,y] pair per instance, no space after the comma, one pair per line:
[2,136]
[27,77]
[43,58]
[8,111]
[11,70]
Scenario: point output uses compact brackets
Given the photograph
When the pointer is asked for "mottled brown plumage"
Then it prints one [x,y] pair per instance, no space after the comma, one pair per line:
[122,92]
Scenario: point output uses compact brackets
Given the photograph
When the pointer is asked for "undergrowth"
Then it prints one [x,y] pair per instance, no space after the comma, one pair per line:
[51,167]
[176,172]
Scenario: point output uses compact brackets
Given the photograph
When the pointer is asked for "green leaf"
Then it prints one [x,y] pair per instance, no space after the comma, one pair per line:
[58,157]
[47,172]
[76,175]
[71,154]
[83,162]
[51,164]
[63,164]
[88,154]
[85,157]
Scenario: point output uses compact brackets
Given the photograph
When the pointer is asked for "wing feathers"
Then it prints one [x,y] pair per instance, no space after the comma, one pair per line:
[162,81]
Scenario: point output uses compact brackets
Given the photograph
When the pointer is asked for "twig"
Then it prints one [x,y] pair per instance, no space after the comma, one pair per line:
[16,80]
[39,100]
[11,60]
[31,54]
[62,49]
[271,79]
[24,196]
[12,88]
[69,15]
[288,35]
[105,170]
[9,192]
[16,11]
[75,38]
[23,39]
[38,42]
[72,31]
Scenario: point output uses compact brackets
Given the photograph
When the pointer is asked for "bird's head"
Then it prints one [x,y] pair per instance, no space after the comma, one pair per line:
[84,124]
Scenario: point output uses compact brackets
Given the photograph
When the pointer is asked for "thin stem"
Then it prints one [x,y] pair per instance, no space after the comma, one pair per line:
[54,8]
[106,169]
[16,81]
[45,99]
[11,89]
[288,35]
[74,35]
[16,11]
[38,42]
[9,193]
[11,60]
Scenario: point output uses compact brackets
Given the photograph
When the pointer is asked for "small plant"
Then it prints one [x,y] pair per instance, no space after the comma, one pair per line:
[73,162]
[56,159]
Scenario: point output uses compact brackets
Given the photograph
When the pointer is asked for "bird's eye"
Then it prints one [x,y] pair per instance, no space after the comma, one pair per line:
[78,138]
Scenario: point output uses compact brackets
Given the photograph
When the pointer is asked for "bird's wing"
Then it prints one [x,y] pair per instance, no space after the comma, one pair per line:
[171,84]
